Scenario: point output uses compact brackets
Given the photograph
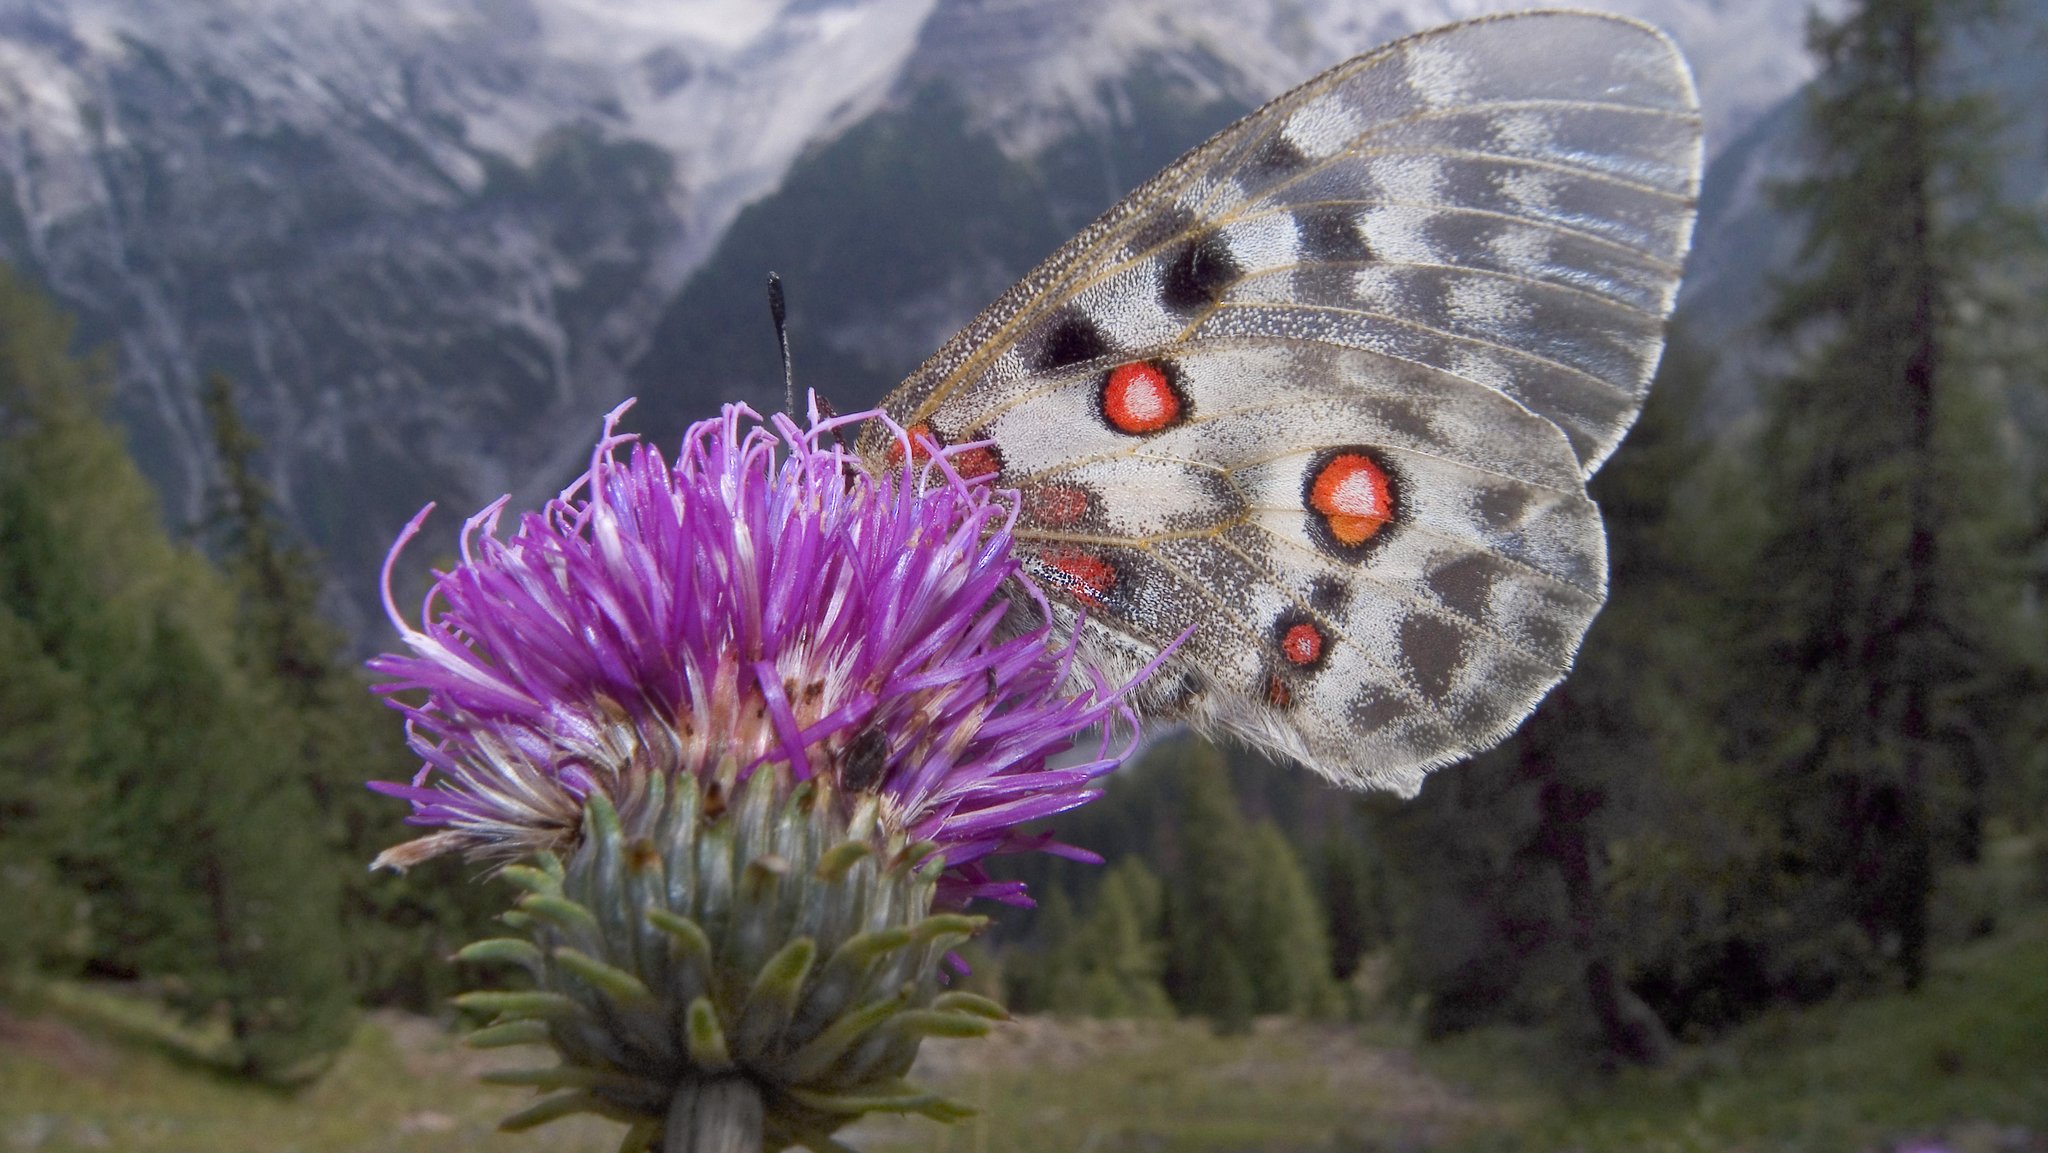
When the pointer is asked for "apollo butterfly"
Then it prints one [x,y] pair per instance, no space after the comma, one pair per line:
[1329,388]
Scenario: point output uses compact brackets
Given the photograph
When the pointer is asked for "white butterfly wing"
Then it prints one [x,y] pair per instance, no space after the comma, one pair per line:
[1328,388]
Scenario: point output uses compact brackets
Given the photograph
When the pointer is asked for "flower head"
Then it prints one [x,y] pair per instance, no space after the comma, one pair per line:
[763,605]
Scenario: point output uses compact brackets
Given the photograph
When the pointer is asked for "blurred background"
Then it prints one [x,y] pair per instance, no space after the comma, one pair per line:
[1767,872]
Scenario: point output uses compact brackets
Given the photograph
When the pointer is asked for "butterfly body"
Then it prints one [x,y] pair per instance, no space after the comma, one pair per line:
[1327,391]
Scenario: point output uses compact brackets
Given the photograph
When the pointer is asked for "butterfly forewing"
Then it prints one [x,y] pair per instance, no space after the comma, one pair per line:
[1328,388]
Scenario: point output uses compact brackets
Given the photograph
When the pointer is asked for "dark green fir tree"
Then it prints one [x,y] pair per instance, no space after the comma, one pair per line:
[1887,618]
[1288,949]
[1351,883]
[184,826]
[1212,892]
[1110,963]
[397,930]
[1244,931]
[44,744]
[227,893]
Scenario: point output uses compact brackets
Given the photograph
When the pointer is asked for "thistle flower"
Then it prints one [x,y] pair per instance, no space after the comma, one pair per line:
[755,715]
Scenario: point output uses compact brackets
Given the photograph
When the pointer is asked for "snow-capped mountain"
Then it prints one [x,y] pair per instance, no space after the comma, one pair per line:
[426,239]
[434,240]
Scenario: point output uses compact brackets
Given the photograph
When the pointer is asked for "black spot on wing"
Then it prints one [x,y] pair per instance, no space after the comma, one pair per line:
[1407,415]
[1433,650]
[1465,584]
[1327,593]
[1071,337]
[1160,227]
[1375,709]
[1329,233]
[1275,158]
[1197,272]
[1501,507]
[1548,633]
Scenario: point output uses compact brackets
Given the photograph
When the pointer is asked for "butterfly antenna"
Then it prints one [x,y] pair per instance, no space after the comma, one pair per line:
[779,310]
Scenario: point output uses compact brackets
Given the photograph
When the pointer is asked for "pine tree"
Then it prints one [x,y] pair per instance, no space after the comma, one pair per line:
[1352,888]
[1212,894]
[397,929]
[1033,976]
[1620,754]
[64,587]
[1110,963]
[195,843]
[1887,606]
[1288,949]
[1233,999]
[282,631]
[227,891]
[1478,927]
[43,751]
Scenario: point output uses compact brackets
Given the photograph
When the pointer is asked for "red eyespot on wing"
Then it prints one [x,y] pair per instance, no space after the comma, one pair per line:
[1083,575]
[921,440]
[1302,644]
[1056,505]
[973,462]
[1353,496]
[1139,397]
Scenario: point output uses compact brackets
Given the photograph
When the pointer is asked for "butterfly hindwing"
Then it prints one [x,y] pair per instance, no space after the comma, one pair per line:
[1328,388]
[1484,575]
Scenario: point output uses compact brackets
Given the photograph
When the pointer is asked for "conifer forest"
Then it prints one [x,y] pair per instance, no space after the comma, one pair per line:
[1768,870]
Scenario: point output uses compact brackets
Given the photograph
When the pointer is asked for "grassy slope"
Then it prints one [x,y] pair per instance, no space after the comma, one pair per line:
[1959,1061]
[1962,1060]
[402,1085]
[1965,1062]
[1105,1085]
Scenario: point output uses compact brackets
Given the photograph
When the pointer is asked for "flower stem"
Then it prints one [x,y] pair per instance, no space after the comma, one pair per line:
[721,1115]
